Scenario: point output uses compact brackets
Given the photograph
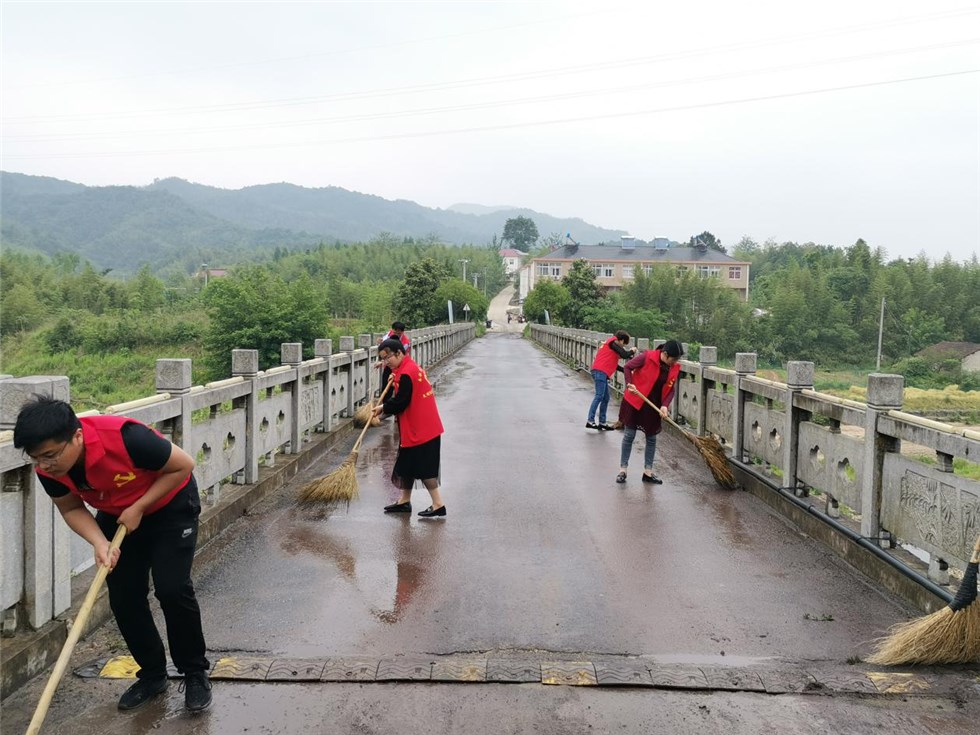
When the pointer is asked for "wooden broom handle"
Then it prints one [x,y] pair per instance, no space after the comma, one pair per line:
[367,424]
[73,635]
[651,404]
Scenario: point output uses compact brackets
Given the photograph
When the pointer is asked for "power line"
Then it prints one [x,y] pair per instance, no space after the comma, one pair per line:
[499,79]
[488,128]
[605,91]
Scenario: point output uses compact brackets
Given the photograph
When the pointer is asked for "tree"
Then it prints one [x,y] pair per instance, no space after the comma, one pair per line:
[256,309]
[547,296]
[521,232]
[584,292]
[414,302]
[708,240]
[460,293]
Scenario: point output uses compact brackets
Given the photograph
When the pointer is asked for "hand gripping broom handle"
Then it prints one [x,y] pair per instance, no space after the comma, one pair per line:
[367,424]
[655,408]
[73,635]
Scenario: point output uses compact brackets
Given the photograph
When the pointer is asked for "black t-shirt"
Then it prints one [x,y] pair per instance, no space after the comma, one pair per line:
[147,450]
[400,400]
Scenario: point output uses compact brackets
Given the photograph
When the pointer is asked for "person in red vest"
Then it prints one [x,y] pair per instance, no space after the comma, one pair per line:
[397,332]
[131,475]
[606,363]
[419,428]
[652,373]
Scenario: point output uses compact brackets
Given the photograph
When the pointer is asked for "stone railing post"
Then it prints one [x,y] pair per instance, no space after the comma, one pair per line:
[291,353]
[799,376]
[324,348]
[885,393]
[173,376]
[642,343]
[347,345]
[372,377]
[745,364]
[707,357]
[47,539]
[245,363]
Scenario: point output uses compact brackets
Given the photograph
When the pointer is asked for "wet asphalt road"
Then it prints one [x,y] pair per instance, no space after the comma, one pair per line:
[541,555]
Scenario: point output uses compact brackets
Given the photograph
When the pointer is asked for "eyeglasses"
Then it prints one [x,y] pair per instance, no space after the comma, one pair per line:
[49,458]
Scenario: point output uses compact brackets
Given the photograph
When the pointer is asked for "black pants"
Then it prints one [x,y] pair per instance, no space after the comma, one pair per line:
[163,546]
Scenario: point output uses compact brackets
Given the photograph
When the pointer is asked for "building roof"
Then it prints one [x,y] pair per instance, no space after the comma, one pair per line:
[511,253]
[947,350]
[641,253]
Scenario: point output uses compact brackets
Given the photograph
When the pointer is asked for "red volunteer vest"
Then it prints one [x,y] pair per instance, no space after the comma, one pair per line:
[116,484]
[605,359]
[420,422]
[647,375]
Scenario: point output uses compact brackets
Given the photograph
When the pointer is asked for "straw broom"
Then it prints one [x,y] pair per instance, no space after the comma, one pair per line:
[947,636]
[341,484]
[709,449]
[73,635]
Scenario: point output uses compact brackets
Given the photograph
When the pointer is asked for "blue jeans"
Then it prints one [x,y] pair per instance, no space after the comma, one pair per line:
[649,451]
[601,400]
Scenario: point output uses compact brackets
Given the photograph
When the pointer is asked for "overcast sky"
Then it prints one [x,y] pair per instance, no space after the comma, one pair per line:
[817,122]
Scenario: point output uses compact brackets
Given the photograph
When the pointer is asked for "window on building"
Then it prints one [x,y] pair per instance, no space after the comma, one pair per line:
[682,269]
[735,272]
[605,270]
[647,269]
[627,273]
[556,270]
[709,271]
[597,269]
[543,269]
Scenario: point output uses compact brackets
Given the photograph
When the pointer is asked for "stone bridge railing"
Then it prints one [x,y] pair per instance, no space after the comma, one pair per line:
[850,452]
[230,426]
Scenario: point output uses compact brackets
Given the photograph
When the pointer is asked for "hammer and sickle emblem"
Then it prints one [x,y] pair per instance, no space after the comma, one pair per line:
[121,479]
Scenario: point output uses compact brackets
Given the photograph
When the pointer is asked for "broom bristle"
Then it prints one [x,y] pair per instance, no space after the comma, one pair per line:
[364,414]
[717,461]
[947,636]
[339,486]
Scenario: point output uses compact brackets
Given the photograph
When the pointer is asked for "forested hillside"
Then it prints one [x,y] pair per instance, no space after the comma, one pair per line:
[174,225]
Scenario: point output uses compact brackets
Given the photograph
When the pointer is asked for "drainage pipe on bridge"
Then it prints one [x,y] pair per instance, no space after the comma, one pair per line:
[857,538]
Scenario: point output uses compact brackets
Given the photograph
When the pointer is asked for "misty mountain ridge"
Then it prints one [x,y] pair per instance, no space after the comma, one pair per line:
[173,222]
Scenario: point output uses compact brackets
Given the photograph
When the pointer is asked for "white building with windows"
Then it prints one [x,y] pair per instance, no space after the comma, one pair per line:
[512,260]
[617,263]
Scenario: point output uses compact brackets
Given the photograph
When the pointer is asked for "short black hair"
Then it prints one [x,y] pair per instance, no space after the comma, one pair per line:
[672,348]
[392,345]
[623,336]
[398,326]
[44,419]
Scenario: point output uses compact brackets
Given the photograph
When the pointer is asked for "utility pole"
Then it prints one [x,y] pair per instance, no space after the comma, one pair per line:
[881,328]
[204,267]
[464,261]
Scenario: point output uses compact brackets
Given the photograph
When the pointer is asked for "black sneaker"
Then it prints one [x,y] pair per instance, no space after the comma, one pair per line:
[142,692]
[591,425]
[197,690]
[606,427]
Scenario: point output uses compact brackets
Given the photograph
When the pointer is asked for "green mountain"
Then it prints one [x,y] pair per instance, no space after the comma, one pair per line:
[179,224]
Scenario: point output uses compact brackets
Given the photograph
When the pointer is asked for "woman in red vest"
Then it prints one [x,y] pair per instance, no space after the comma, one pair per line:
[132,476]
[653,374]
[605,364]
[419,427]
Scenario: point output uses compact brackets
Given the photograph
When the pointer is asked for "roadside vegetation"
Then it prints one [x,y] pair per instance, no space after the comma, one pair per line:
[59,315]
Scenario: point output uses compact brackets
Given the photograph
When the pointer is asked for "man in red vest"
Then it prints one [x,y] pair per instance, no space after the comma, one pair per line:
[397,332]
[131,475]
[606,363]
[419,428]
[652,373]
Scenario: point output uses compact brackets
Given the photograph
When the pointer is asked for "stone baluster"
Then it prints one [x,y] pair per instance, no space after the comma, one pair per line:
[799,377]
[885,393]
[745,365]
[245,363]
[291,353]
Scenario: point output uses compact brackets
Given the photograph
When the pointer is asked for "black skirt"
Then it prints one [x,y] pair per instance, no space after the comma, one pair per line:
[417,463]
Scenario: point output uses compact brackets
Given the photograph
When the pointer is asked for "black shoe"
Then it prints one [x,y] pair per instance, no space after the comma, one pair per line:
[652,479]
[429,513]
[197,690]
[398,508]
[606,427]
[142,692]
[591,425]
[621,478]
